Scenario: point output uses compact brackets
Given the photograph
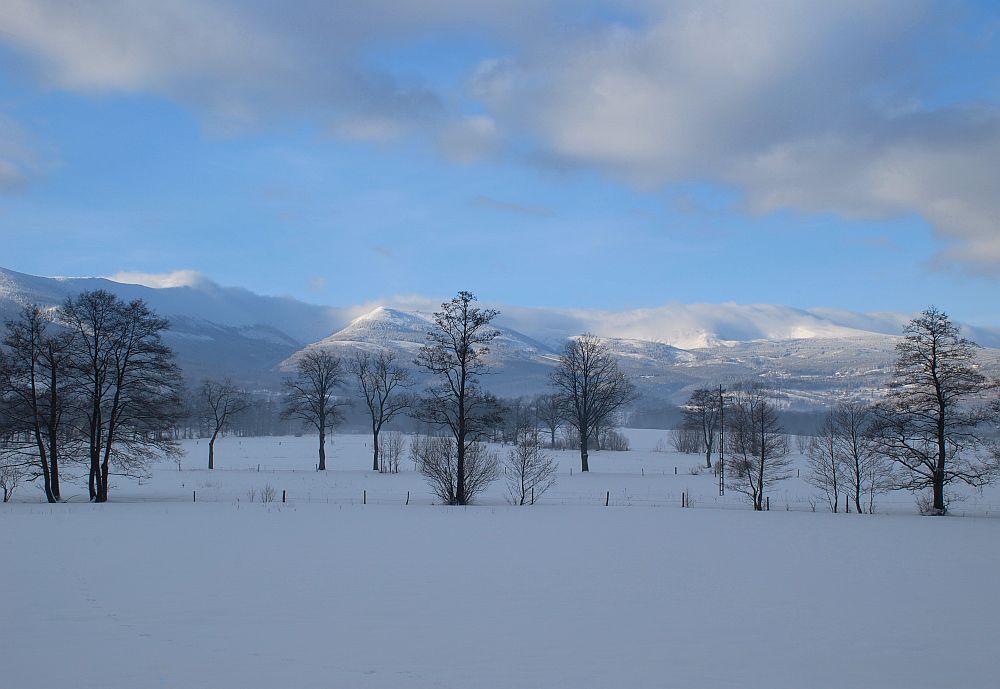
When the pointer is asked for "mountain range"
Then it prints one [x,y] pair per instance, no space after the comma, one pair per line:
[813,356]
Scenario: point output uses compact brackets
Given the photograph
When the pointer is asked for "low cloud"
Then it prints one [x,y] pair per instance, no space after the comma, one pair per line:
[177,278]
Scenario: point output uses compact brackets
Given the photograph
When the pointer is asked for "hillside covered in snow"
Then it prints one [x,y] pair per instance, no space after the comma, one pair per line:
[811,356]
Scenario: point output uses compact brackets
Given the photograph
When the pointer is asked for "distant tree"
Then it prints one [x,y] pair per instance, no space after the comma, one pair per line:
[530,471]
[756,444]
[931,423]
[550,414]
[702,414]
[382,382]
[436,458]
[220,401]
[590,388]
[826,463]
[866,472]
[455,352]
[312,395]
[126,383]
[519,416]
[392,451]
[687,441]
[33,390]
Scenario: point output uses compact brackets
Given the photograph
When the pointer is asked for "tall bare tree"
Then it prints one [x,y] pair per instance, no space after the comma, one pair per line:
[382,381]
[127,383]
[220,400]
[590,388]
[826,462]
[312,394]
[33,385]
[756,444]
[702,414]
[455,353]
[931,422]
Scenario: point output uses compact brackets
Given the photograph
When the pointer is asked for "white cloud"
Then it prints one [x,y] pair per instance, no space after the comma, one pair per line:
[819,107]
[799,105]
[177,278]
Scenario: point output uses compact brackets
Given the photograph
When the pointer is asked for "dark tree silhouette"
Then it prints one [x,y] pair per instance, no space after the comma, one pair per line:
[33,391]
[549,413]
[312,394]
[701,414]
[756,444]
[220,400]
[126,384]
[931,422]
[455,353]
[382,382]
[590,388]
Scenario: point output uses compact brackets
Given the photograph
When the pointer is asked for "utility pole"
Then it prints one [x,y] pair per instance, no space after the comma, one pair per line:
[722,443]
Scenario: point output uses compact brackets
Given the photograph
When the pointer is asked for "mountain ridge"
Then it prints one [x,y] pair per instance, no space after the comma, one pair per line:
[815,354]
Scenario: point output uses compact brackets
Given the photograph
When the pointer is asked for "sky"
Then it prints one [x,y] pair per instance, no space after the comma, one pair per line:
[583,154]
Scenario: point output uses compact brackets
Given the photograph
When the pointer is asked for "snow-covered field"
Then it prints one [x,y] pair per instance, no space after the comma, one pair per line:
[154,590]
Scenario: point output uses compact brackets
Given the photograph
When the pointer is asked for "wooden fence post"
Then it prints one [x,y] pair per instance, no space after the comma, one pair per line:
[282,495]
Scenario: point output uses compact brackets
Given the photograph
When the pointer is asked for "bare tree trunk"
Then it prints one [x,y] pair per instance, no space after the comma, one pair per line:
[584,454]
[460,497]
[53,431]
[322,448]
[211,449]
[939,507]
[375,430]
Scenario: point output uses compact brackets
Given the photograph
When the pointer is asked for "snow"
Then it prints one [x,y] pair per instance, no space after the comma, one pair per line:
[323,591]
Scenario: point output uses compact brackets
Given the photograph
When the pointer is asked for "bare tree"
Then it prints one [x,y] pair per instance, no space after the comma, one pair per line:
[530,471]
[127,383]
[686,440]
[392,452]
[519,416]
[866,472]
[436,457]
[382,382]
[590,388]
[312,394]
[33,384]
[455,352]
[11,474]
[826,463]
[702,414]
[550,414]
[756,443]
[930,423]
[220,401]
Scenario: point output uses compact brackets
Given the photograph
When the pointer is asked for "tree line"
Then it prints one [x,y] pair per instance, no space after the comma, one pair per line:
[92,384]
[933,427]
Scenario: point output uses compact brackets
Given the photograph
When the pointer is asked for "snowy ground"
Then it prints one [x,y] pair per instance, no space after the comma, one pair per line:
[322,591]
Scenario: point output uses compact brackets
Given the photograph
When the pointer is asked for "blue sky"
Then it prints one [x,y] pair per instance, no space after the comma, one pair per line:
[605,155]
